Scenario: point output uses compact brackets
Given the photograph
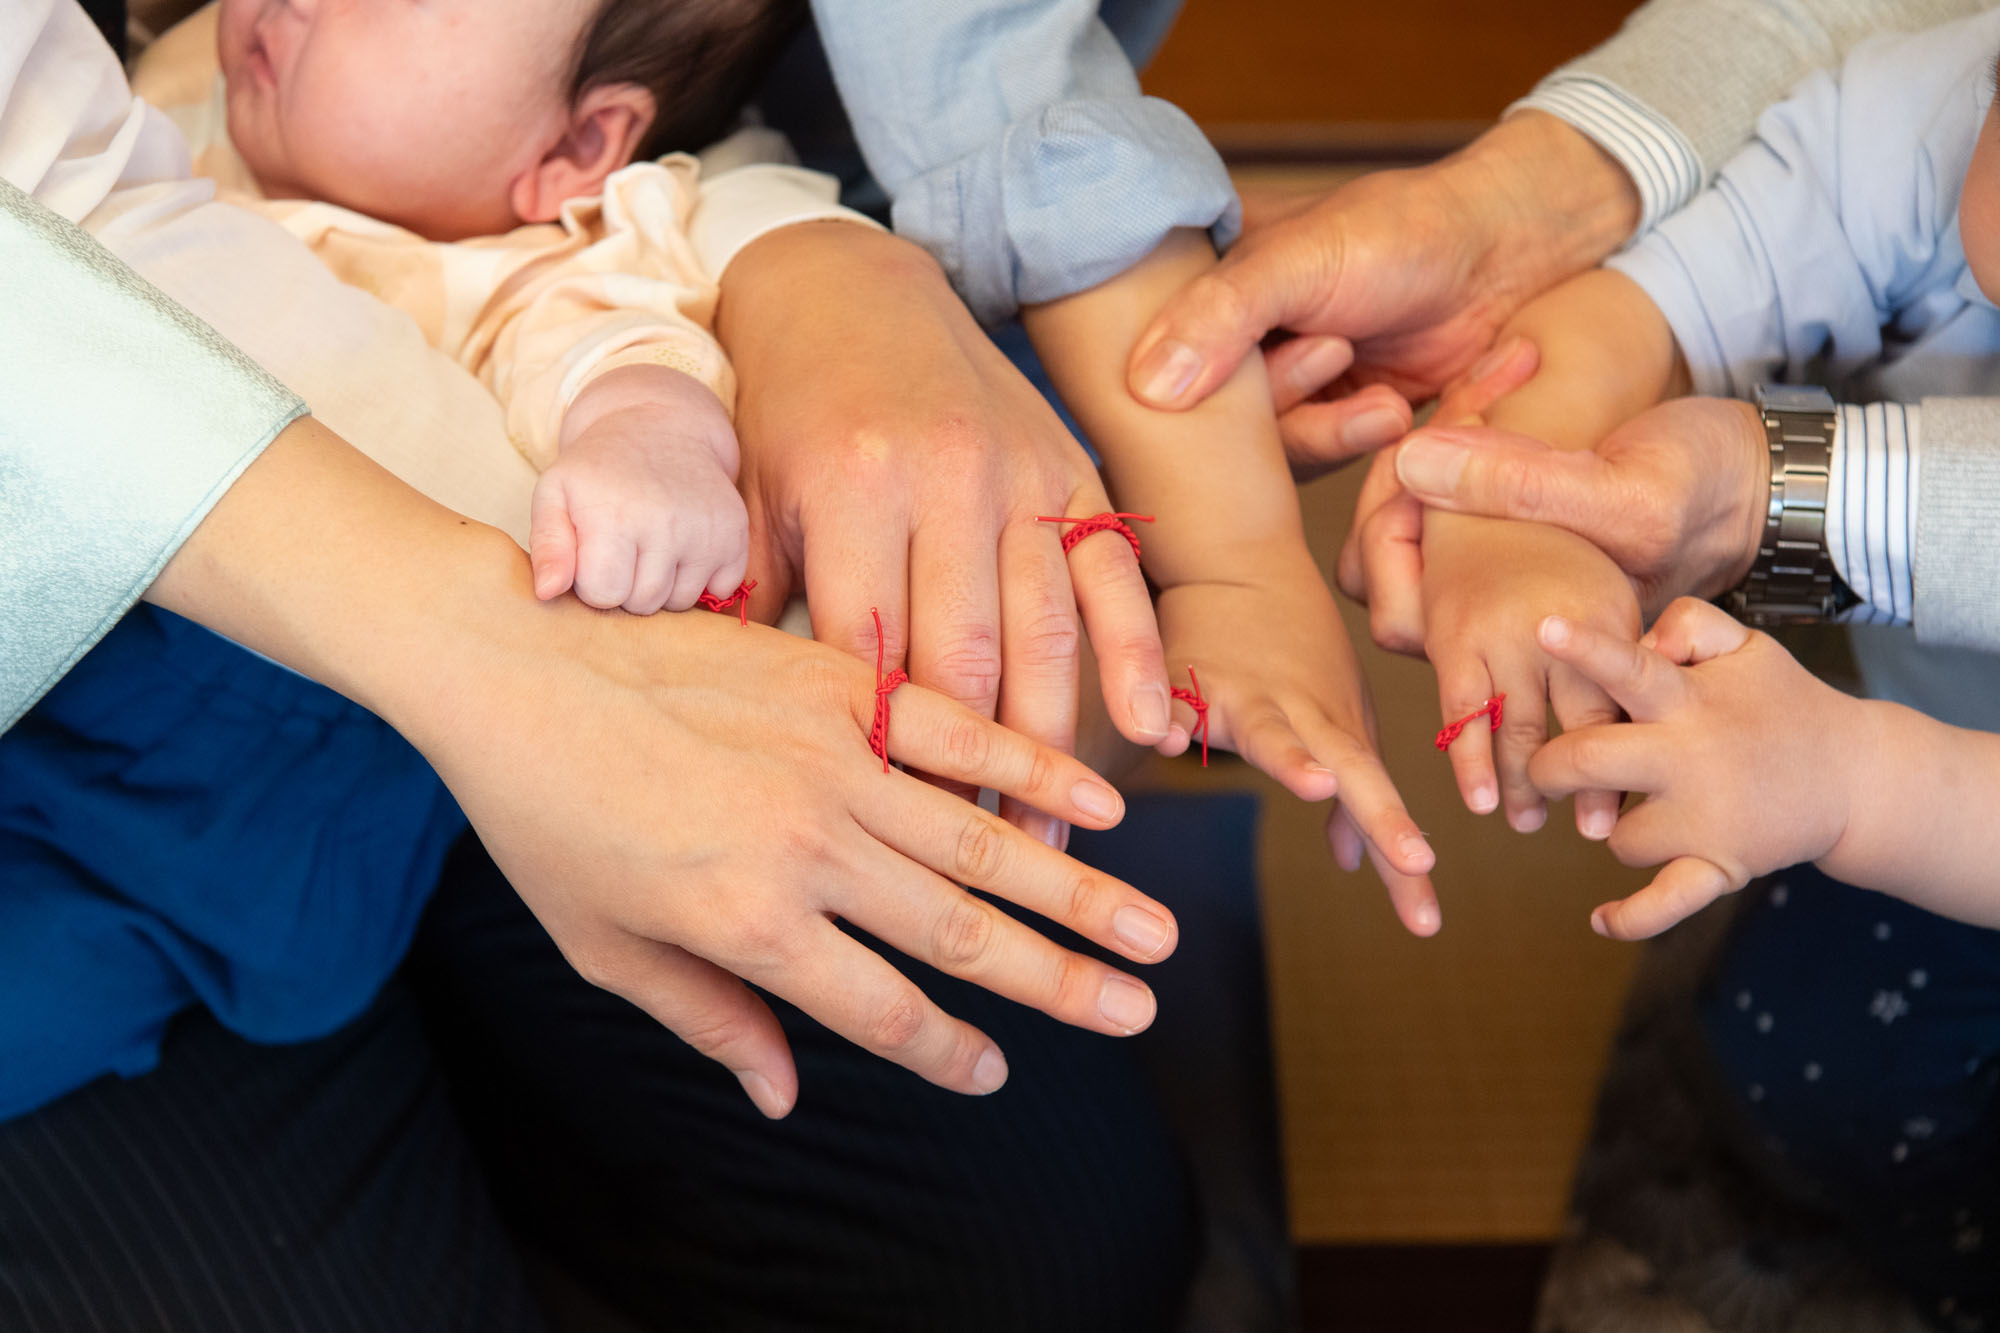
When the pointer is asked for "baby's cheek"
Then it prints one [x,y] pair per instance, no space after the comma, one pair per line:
[1979,211]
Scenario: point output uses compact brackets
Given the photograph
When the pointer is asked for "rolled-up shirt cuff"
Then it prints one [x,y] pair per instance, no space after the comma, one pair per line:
[1658,157]
[1067,199]
[1870,506]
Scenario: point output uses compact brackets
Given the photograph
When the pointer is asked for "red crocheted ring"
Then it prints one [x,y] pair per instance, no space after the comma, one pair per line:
[740,600]
[1192,698]
[878,734]
[1085,527]
[1490,709]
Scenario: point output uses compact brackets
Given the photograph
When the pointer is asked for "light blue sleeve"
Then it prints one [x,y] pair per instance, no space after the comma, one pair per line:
[1835,233]
[123,419]
[1014,142]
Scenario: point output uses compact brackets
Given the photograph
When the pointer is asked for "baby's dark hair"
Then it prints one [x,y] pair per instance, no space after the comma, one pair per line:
[701,60]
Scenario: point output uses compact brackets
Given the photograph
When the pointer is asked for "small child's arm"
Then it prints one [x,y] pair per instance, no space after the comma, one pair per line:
[1241,601]
[1606,353]
[1750,764]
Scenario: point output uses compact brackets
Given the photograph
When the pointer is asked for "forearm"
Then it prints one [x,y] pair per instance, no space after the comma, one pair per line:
[1920,797]
[322,560]
[1607,354]
[1215,477]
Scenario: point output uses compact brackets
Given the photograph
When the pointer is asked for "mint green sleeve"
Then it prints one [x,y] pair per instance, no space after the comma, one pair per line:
[123,419]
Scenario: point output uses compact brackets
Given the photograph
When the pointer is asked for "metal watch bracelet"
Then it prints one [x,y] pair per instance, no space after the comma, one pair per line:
[1792,581]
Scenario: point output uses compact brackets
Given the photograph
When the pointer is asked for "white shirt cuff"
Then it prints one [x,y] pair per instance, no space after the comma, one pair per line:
[1658,157]
[1871,501]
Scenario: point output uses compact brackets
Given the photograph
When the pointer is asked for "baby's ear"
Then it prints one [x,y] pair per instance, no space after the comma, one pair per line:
[606,127]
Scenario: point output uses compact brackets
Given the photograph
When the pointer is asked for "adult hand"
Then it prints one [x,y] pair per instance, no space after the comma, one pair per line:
[682,801]
[1676,496]
[1404,275]
[893,458]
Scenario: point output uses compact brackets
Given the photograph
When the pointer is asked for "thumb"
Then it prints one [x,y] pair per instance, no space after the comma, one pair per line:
[1499,474]
[1205,330]
[551,540]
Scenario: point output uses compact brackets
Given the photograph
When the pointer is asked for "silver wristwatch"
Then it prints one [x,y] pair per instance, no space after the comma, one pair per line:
[1792,581]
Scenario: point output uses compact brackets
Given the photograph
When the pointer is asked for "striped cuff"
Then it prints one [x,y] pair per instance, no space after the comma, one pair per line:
[1658,157]
[1871,500]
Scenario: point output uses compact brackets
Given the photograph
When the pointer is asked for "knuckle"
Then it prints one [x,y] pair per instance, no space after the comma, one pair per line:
[1041,770]
[715,1032]
[968,744]
[1518,484]
[963,934]
[1082,901]
[981,850]
[1073,984]
[895,1026]
[1049,636]
[969,670]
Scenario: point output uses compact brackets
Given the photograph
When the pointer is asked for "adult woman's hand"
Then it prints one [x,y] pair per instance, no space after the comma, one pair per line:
[681,800]
[893,458]
[1399,278]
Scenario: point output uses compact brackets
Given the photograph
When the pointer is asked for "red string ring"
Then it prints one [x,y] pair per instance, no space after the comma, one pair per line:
[740,600]
[1490,709]
[1096,523]
[1192,698]
[878,734]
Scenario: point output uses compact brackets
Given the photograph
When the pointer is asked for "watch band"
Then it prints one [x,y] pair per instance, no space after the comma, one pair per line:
[1792,581]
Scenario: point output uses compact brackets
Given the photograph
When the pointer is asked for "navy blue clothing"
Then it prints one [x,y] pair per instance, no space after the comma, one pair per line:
[184,823]
[1860,1037]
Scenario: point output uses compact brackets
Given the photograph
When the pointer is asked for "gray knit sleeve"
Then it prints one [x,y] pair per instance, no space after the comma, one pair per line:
[1707,68]
[1957,569]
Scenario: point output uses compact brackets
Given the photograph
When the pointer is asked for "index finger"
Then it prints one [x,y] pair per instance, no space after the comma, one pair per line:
[1646,685]
[940,737]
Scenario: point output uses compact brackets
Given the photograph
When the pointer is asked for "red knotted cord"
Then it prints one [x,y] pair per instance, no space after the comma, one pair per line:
[1099,523]
[740,599]
[1491,708]
[1192,698]
[878,735]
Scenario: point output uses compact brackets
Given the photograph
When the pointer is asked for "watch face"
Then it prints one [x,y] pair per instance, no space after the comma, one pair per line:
[1794,398]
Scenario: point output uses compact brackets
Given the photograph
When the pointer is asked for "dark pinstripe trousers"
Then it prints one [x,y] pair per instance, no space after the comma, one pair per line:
[492,1104]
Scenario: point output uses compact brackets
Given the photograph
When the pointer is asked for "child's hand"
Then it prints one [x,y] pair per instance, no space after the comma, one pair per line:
[1486,584]
[640,508]
[1285,692]
[1742,754]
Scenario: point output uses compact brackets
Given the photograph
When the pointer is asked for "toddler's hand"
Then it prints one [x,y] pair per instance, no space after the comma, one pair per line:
[1486,583]
[1737,747]
[640,508]
[1285,692]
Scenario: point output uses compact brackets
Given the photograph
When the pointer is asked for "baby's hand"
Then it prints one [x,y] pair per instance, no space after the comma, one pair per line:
[1738,749]
[640,508]
[1486,583]
[1284,691]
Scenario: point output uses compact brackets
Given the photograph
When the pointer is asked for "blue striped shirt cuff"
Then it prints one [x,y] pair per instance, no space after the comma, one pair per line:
[1871,500]
[1658,157]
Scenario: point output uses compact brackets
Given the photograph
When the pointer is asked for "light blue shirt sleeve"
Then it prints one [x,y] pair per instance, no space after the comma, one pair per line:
[1833,238]
[1015,144]
[123,419]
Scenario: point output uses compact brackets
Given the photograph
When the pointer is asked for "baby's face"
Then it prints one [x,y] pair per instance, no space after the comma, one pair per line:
[418,112]
[1979,207]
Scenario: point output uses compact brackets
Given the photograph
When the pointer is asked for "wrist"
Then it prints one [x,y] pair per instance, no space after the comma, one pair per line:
[1874,771]
[1566,203]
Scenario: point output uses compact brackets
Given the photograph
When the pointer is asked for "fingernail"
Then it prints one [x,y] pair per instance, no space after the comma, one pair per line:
[1492,361]
[1095,799]
[1166,372]
[1555,631]
[1125,1004]
[1049,830]
[1597,825]
[990,1072]
[1149,713]
[1597,923]
[1416,848]
[1530,820]
[1373,429]
[1425,918]
[763,1095]
[1483,800]
[1429,466]
[1140,931]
